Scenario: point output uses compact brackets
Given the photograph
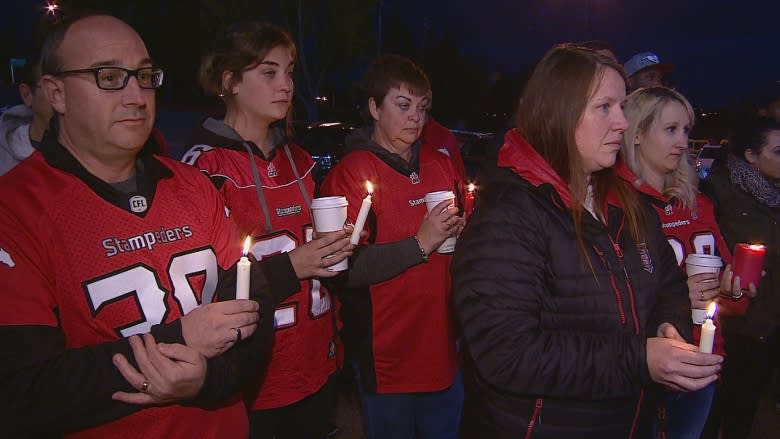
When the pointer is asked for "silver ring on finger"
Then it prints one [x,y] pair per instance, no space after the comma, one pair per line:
[702,296]
[145,386]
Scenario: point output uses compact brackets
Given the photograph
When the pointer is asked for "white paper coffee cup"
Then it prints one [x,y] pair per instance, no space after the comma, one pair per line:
[697,263]
[431,200]
[330,214]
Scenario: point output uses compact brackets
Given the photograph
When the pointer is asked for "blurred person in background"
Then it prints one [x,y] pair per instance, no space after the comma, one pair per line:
[22,126]
[645,69]
[440,138]
[746,193]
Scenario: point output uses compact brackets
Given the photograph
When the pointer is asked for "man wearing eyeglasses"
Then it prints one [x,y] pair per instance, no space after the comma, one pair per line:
[116,263]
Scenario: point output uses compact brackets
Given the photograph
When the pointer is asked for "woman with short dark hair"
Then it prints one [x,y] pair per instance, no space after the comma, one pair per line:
[399,329]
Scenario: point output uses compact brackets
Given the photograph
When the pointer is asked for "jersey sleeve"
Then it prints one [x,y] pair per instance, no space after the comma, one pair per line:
[706,211]
[198,156]
[26,294]
[227,243]
[43,384]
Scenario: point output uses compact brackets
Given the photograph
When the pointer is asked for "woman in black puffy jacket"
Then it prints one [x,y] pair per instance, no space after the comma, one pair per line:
[570,298]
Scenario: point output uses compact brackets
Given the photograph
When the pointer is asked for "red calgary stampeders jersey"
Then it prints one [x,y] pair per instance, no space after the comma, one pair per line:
[101,272]
[688,232]
[413,329]
[692,233]
[303,356]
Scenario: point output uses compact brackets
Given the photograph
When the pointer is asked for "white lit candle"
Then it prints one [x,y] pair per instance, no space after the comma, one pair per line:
[708,331]
[360,222]
[242,272]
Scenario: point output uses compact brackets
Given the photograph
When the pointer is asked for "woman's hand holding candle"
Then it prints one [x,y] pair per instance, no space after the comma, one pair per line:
[708,331]
[243,268]
[360,222]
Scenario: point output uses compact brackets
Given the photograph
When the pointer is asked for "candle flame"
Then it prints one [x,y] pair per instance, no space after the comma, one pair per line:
[247,244]
[369,187]
[471,187]
[756,247]
[711,310]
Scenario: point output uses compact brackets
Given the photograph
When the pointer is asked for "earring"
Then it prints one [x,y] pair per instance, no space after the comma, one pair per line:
[222,91]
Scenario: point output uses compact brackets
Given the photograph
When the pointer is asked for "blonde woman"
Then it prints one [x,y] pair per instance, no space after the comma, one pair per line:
[655,154]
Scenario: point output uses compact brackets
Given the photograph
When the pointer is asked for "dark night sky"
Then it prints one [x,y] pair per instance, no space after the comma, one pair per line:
[723,49]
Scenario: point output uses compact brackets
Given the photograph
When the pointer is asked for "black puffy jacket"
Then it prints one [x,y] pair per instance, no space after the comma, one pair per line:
[553,348]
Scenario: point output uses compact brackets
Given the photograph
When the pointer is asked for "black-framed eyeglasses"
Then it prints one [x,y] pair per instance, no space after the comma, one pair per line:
[116,78]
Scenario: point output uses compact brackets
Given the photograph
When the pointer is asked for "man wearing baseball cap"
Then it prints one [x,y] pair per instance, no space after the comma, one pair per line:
[645,70]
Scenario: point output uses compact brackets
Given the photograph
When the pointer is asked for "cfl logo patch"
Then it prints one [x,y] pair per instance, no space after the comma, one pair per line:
[138,204]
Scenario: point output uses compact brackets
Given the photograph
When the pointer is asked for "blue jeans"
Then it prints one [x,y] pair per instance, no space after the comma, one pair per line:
[423,415]
[686,413]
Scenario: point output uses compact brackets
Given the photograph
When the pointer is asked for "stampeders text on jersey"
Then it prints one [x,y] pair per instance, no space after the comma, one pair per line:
[147,240]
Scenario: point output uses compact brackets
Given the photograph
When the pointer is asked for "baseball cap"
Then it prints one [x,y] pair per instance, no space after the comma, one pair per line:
[645,60]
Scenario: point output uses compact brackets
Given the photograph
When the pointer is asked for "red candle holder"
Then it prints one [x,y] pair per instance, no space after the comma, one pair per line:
[748,262]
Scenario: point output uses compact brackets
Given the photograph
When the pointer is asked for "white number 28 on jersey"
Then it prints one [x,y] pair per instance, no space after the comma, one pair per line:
[141,284]
[286,314]
[703,242]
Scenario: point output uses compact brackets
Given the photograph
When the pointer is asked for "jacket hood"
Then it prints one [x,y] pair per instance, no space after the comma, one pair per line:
[15,136]
[521,158]
[360,140]
[15,116]
[216,133]
[626,174]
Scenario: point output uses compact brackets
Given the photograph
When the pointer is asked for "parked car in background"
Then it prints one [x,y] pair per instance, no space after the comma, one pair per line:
[324,141]
[706,157]
[476,148]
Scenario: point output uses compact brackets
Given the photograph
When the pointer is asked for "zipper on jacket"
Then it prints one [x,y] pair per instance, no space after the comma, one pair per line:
[619,254]
[661,423]
[613,281]
[534,416]
[637,413]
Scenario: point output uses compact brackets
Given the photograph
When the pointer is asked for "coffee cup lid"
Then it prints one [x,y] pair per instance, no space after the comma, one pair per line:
[439,196]
[328,202]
